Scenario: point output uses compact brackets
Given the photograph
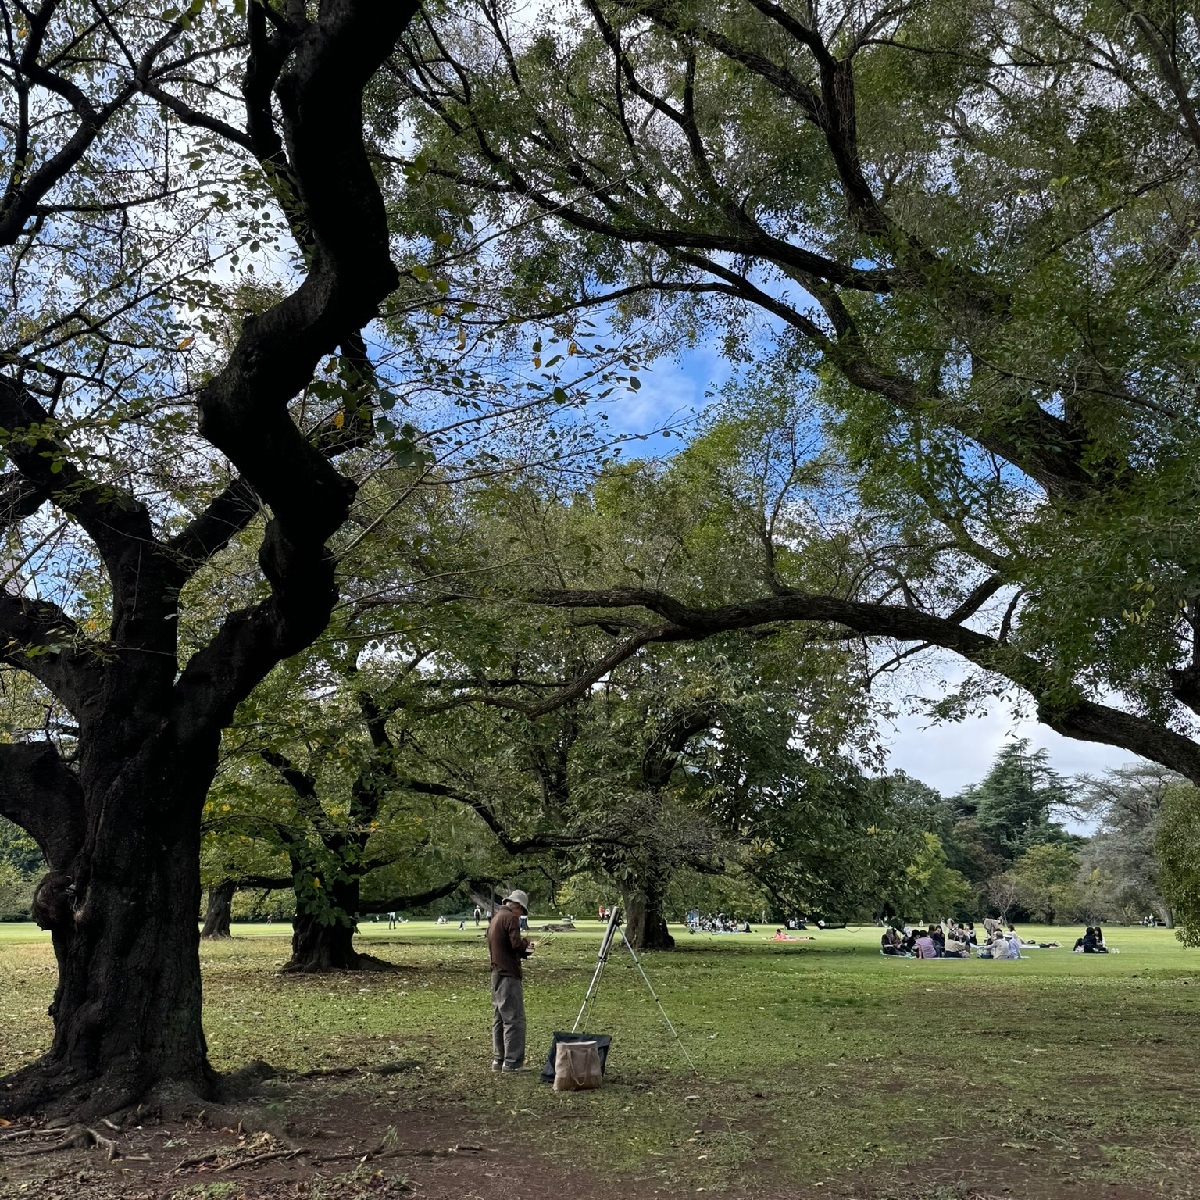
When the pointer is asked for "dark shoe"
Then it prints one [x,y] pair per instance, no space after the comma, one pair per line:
[509,1070]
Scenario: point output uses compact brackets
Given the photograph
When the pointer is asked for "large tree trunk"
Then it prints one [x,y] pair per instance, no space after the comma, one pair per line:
[120,824]
[218,912]
[319,946]
[122,915]
[645,925]
[324,940]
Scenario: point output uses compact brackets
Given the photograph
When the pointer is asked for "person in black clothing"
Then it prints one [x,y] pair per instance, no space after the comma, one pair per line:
[939,940]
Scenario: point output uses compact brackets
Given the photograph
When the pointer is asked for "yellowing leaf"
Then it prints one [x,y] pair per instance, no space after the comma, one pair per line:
[187,341]
[339,420]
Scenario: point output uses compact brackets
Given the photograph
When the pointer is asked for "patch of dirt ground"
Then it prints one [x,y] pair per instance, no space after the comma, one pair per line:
[320,1139]
[308,1143]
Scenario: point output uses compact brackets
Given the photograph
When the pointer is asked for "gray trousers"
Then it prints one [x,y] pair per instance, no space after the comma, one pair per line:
[508,1021]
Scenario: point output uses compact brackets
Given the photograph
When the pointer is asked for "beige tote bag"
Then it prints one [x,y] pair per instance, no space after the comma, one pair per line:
[576,1066]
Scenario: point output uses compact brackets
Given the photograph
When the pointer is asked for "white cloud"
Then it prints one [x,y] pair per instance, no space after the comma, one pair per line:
[950,756]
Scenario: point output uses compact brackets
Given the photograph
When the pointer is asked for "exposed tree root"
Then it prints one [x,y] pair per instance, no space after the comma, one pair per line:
[61,1100]
[383,1151]
[243,1082]
[261,1148]
[361,962]
[48,1090]
[76,1137]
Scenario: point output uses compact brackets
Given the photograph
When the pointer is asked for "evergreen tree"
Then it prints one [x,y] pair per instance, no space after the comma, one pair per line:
[1014,802]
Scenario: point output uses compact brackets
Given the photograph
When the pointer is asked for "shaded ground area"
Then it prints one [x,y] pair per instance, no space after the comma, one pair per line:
[827,1071]
[344,1139]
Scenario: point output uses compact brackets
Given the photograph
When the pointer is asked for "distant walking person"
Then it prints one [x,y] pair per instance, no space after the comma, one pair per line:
[506,949]
[478,914]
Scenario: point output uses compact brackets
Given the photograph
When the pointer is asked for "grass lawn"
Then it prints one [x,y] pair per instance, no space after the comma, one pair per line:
[824,1068]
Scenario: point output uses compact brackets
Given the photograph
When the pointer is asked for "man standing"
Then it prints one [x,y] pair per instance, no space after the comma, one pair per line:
[506,948]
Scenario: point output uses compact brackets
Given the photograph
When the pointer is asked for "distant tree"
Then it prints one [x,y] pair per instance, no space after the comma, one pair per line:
[1120,861]
[1002,892]
[1047,880]
[16,891]
[18,849]
[929,888]
[1178,845]
[1013,803]
[825,839]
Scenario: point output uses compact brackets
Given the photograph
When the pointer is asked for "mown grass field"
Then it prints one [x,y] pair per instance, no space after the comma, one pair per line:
[821,1064]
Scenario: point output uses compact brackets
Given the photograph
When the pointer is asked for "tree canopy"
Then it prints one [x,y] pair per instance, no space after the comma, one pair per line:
[963,234]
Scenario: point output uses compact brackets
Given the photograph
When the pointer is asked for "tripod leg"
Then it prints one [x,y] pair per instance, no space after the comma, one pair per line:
[637,962]
[591,990]
[601,958]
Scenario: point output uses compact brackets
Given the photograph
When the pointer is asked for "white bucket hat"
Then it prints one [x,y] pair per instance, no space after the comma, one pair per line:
[518,897]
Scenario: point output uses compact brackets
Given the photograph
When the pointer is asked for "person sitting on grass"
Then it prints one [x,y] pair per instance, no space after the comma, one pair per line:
[998,945]
[938,934]
[1093,944]
[925,945]
[956,944]
[891,942]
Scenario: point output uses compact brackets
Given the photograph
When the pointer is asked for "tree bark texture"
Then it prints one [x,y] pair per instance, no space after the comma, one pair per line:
[645,922]
[218,912]
[323,947]
[121,906]
[327,944]
[120,824]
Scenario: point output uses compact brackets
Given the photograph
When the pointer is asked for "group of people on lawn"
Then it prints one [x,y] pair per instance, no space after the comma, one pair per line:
[953,940]
[947,940]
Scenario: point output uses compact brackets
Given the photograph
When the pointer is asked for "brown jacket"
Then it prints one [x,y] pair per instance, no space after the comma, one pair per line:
[506,946]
